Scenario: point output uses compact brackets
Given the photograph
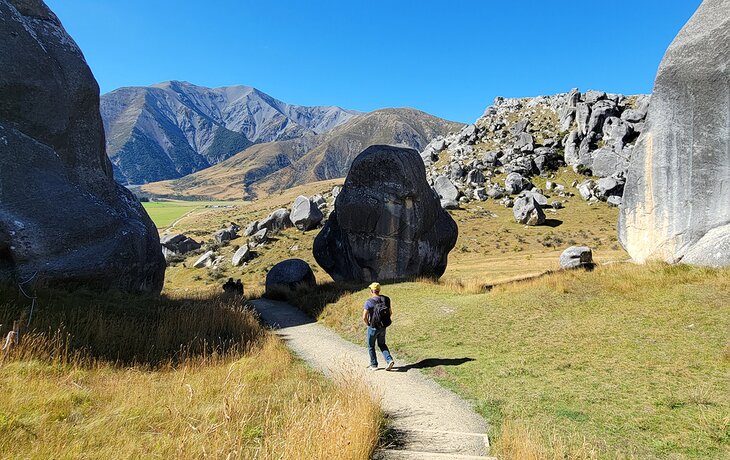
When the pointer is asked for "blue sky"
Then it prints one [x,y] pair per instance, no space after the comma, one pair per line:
[447,58]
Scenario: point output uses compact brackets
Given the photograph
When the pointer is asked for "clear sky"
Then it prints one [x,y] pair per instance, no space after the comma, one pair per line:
[448,58]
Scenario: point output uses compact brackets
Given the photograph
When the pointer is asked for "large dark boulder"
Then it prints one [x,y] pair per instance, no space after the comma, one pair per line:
[62,216]
[388,224]
[678,184]
[290,273]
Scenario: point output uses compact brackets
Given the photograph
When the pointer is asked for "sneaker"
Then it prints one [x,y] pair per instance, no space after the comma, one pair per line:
[373,368]
[390,365]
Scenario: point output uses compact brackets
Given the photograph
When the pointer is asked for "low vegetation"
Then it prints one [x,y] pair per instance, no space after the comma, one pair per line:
[124,377]
[623,362]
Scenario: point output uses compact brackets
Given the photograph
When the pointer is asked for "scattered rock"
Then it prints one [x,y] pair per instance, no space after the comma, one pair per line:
[447,192]
[514,183]
[206,260]
[527,211]
[277,221]
[177,245]
[576,257]
[226,234]
[305,214]
[243,254]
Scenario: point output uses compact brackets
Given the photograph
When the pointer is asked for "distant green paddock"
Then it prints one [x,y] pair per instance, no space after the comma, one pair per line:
[164,213]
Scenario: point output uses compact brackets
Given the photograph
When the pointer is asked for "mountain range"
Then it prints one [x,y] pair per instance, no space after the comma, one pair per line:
[175,128]
[278,165]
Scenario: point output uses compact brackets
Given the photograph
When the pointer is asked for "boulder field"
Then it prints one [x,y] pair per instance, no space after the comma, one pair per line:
[63,219]
[676,203]
[388,223]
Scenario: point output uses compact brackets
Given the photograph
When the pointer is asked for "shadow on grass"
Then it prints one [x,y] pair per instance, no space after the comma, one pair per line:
[553,223]
[150,331]
[433,362]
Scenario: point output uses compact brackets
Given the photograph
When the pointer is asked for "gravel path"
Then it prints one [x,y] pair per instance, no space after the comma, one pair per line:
[428,421]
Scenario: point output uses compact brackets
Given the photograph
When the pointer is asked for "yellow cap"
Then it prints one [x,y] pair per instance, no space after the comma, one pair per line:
[374,286]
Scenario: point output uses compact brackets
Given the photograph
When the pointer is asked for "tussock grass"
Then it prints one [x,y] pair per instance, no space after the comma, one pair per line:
[625,361]
[124,377]
[131,330]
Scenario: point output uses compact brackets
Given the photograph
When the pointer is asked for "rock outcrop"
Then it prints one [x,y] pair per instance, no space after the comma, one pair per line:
[677,192]
[62,216]
[592,132]
[388,222]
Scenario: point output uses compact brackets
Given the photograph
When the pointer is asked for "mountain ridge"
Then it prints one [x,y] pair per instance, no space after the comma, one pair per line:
[273,166]
[174,128]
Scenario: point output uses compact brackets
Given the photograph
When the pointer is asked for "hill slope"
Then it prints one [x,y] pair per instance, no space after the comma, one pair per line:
[172,129]
[279,165]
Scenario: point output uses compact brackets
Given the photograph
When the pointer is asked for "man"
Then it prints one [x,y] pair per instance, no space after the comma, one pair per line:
[376,316]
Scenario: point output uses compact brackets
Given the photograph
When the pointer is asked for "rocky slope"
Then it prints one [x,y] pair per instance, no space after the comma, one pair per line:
[592,132]
[280,165]
[172,129]
[63,219]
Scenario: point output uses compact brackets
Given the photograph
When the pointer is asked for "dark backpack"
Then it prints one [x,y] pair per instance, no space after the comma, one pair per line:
[380,314]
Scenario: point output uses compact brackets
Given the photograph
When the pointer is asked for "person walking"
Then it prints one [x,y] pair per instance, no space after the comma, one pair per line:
[376,315]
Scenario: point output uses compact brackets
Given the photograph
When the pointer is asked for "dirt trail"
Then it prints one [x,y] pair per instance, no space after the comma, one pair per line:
[428,421]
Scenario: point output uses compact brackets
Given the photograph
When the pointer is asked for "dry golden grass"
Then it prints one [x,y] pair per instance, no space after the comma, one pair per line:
[126,377]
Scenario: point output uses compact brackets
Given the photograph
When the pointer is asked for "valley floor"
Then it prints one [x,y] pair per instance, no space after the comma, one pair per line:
[623,362]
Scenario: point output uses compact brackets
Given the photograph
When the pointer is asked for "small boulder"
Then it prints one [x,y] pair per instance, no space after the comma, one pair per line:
[514,183]
[277,221]
[290,274]
[447,192]
[577,256]
[527,211]
[206,260]
[305,214]
[226,234]
[243,254]
[260,237]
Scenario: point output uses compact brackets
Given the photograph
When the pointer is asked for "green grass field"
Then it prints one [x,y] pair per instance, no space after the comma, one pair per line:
[164,213]
[623,362]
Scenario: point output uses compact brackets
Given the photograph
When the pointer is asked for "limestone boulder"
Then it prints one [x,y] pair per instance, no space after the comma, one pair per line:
[576,257]
[528,211]
[305,213]
[388,223]
[63,218]
[677,193]
[290,273]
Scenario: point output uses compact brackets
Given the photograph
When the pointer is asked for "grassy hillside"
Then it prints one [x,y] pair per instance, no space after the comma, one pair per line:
[491,246]
[623,362]
[186,377]
[274,166]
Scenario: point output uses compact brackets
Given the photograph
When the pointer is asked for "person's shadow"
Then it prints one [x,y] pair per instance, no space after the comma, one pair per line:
[433,362]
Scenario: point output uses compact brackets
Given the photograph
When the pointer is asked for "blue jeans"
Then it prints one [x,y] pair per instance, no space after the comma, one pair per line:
[374,334]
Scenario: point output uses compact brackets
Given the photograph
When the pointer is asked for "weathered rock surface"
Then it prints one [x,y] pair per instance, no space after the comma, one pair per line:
[305,213]
[528,211]
[577,256]
[388,222]
[290,273]
[243,254]
[678,185]
[177,245]
[225,235]
[62,216]
[276,221]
